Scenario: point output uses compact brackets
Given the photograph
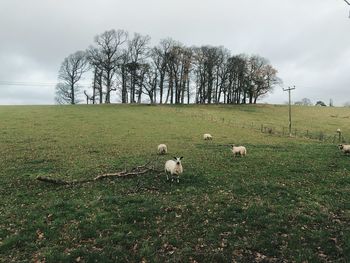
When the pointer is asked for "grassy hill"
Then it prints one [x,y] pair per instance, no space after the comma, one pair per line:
[288,199]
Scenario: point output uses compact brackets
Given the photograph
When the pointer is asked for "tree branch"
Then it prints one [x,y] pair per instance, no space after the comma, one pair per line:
[135,171]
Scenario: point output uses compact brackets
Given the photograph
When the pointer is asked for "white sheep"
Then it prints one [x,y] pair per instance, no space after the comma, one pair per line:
[239,150]
[207,136]
[174,168]
[345,148]
[162,149]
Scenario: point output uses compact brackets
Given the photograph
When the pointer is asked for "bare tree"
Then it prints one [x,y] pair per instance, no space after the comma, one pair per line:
[124,75]
[175,71]
[306,102]
[159,56]
[169,72]
[150,82]
[211,72]
[172,68]
[138,51]
[235,88]
[262,78]
[221,72]
[97,84]
[63,94]
[70,73]
[303,102]
[106,55]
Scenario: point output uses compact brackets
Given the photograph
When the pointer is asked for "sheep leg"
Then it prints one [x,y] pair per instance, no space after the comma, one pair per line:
[167,177]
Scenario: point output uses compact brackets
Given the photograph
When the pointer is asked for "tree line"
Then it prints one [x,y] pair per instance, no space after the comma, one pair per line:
[170,73]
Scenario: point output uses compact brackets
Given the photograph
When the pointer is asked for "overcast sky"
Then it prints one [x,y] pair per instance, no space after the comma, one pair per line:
[308,42]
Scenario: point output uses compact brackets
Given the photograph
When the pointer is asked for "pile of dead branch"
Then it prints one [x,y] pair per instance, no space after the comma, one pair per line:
[135,171]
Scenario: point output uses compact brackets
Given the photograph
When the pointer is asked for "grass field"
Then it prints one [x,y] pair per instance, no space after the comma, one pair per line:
[288,200]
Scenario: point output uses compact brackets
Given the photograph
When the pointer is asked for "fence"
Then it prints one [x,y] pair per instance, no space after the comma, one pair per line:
[322,136]
[318,135]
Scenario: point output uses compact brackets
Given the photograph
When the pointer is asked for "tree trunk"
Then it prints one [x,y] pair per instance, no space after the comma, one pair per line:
[188,90]
[124,90]
[108,87]
[161,88]
[72,95]
[171,88]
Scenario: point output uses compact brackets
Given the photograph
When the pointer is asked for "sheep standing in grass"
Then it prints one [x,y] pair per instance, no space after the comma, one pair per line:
[239,150]
[174,168]
[345,148]
[207,136]
[162,149]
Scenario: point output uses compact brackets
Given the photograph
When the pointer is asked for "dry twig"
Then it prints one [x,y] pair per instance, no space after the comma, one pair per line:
[138,170]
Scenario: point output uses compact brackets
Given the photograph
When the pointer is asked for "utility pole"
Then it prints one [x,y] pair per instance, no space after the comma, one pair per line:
[290,109]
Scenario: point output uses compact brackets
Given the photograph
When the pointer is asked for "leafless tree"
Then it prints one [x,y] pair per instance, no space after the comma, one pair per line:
[124,76]
[178,61]
[138,51]
[159,56]
[211,72]
[306,102]
[236,83]
[262,78]
[171,72]
[97,85]
[106,55]
[63,94]
[303,102]
[70,73]
[150,82]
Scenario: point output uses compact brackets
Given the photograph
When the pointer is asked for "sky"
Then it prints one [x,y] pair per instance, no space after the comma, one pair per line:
[308,42]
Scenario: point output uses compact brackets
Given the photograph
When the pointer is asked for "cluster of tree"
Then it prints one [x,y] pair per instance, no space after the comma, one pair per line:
[307,102]
[304,102]
[167,73]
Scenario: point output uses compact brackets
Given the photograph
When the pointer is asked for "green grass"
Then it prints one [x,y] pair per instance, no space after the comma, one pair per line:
[288,199]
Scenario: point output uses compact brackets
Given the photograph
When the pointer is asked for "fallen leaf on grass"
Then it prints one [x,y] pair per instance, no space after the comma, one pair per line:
[39,234]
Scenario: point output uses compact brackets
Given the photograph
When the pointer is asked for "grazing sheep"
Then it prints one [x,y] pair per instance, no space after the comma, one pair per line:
[174,168]
[162,149]
[239,150]
[345,148]
[207,136]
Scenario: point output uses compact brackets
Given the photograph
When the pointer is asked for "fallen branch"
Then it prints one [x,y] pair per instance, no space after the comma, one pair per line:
[139,170]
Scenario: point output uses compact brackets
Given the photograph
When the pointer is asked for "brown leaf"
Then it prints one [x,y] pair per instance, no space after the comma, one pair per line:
[134,248]
[39,234]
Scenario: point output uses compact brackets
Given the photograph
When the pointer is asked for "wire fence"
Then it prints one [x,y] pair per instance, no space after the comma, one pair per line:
[309,134]
[274,130]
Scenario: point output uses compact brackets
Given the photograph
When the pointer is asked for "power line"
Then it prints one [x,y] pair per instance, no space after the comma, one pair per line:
[33,84]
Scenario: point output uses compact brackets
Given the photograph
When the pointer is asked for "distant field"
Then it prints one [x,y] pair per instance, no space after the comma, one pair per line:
[287,200]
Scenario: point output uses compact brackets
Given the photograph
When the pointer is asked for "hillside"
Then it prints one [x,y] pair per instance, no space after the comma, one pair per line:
[288,199]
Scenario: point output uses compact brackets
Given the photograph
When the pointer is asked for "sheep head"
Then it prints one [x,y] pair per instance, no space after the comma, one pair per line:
[178,160]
